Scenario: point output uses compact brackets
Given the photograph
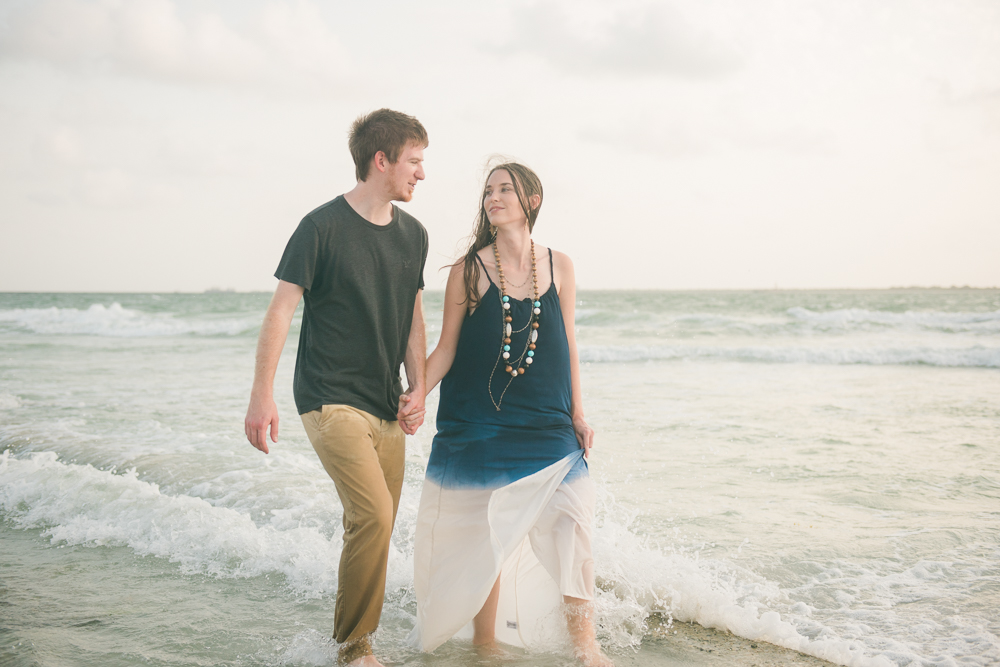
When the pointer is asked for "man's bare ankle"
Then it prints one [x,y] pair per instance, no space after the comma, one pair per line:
[365,661]
[357,653]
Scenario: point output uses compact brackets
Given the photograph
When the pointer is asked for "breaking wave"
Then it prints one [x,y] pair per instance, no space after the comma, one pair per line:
[82,505]
[976,356]
[116,321]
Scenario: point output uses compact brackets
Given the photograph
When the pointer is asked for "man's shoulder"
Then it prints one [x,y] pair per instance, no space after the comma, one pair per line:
[327,213]
[407,221]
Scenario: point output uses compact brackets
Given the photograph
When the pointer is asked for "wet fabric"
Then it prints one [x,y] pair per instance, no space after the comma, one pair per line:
[535,534]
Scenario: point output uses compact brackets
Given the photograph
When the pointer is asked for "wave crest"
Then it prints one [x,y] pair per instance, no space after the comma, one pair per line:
[79,504]
[116,321]
[974,357]
[854,318]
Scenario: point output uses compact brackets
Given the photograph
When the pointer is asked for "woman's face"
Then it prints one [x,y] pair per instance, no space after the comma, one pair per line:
[500,200]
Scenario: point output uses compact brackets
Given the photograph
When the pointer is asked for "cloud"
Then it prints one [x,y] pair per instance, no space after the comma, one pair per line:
[280,43]
[647,39]
[677,136]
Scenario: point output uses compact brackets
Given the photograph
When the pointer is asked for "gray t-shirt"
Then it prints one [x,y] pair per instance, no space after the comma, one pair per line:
[360,280]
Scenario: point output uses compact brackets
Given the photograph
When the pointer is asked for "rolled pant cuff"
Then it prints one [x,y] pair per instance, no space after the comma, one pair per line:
[355,648]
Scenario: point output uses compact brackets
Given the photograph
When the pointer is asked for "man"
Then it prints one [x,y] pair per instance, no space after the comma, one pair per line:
[359,261]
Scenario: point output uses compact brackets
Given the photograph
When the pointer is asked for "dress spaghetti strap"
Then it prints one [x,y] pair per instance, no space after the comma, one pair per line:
[552,271]
[484,268]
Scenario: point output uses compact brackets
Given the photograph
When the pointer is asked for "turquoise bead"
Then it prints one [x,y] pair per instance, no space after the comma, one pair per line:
[531,353]
[538,304]
[506,298]
[506,348]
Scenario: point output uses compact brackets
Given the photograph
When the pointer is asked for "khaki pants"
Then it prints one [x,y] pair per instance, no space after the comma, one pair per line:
[365,457]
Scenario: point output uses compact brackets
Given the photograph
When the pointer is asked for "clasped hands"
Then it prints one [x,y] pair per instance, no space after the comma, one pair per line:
[411,411]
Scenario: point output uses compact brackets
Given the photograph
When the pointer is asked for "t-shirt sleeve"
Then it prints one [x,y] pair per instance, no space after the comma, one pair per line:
[423,258]
[299,261]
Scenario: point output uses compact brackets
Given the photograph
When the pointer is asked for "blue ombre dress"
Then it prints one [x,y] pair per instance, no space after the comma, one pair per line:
[507,492]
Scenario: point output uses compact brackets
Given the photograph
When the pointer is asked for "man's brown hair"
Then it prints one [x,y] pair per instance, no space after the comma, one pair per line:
[383,130]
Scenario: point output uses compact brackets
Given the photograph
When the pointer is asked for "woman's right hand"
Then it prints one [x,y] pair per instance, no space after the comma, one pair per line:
[584,434]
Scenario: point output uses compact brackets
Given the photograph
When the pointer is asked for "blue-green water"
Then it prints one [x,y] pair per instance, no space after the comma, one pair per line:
[817,470]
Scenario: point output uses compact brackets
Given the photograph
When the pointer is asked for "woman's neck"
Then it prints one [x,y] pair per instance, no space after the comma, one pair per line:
[514,246]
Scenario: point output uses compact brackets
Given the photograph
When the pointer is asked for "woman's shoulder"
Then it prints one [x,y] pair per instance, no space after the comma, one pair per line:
[561,260]
[542,252]
[485,254]
[456,272]
[562,270]
[460,271]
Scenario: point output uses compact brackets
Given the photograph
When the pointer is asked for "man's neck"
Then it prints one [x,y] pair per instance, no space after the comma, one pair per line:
[370,203]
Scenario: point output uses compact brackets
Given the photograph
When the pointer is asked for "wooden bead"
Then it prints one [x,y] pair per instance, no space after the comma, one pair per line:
[520,371]
[534,325]
[511,319]
[506,341]
[531,347]
[509,369]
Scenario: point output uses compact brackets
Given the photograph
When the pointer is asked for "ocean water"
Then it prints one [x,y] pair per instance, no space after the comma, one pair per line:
[819,470]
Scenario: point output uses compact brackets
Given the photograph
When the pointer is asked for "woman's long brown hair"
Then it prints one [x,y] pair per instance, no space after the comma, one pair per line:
[526,184]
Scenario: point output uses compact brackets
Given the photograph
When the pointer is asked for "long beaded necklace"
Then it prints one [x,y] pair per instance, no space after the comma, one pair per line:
[515,367]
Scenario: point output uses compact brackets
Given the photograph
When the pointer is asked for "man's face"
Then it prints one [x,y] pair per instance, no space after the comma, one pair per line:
[404,174]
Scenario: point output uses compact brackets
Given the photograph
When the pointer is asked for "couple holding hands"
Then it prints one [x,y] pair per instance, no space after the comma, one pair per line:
[503,538]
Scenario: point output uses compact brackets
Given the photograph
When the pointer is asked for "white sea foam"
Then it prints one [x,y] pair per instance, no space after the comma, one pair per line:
[636,580]
[854,318]
[311,648]
[973,356]
[914,598]
[795,321]
[9,401]
[862,590]
[114,320]
[79,504]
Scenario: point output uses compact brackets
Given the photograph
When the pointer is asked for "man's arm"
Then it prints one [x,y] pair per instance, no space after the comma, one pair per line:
[262,412]
[411,413]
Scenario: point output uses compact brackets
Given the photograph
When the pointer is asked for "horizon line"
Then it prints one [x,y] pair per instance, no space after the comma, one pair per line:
[216,290]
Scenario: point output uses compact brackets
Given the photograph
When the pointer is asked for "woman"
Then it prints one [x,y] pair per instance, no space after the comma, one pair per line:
[504,526]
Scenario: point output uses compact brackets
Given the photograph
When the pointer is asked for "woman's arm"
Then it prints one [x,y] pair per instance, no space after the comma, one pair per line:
[565,279]
[439,363]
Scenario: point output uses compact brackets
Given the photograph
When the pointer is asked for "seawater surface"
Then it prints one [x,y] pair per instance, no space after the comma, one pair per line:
[819,470]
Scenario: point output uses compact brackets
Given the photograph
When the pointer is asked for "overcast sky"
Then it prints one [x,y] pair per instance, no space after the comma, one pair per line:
[162,145]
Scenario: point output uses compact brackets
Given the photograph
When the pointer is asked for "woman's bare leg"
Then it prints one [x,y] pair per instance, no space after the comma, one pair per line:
[580,623]
[484,625]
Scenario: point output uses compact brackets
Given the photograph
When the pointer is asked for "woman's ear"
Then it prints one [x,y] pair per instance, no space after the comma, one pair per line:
[534,201]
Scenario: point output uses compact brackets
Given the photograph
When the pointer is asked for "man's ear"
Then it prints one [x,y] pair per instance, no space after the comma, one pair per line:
[381,161]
